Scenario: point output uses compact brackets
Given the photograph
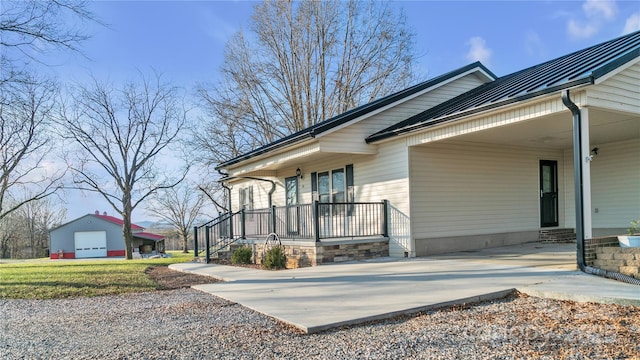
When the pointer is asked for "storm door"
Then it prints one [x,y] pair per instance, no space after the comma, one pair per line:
[293,210]
[548,193]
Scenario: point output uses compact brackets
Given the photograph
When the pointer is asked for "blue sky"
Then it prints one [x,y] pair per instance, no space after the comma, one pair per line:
[185,40]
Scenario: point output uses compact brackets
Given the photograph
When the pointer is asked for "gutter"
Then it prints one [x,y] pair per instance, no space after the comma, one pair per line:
[226,177]
[579,193]
[226,187]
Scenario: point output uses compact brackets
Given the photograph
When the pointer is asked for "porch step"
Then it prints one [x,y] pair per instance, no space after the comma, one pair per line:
[557,235]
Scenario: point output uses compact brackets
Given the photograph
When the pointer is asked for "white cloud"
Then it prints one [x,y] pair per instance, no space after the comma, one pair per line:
[632,24]
[217,28]
[581,30]
[478,50]
[533,44]
[600,9]
[595,13]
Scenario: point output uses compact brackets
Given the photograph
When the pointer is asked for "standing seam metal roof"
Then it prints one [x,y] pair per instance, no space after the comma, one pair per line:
[580,67]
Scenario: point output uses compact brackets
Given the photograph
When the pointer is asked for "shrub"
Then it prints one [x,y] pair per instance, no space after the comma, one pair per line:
[274,258]
[241,255]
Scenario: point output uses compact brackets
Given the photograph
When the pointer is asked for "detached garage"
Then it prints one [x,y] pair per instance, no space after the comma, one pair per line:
[99,236]
[90,244]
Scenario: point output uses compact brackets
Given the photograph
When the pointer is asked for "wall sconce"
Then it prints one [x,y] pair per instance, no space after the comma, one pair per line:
[299,173]
[592,154]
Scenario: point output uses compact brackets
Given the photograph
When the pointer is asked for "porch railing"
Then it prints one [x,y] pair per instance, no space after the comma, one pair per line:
[314,221]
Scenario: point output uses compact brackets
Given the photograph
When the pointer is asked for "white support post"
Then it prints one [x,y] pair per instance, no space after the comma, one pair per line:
[586,174]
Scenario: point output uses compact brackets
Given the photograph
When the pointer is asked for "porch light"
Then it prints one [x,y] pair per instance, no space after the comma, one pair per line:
[592,154]
[299,173]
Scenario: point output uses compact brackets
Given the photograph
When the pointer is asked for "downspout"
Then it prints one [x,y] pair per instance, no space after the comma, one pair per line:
[225,175]
[577,175]
[579,193]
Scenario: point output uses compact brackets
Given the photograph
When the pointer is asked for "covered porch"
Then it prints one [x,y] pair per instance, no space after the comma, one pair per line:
[313,233]
[503,178]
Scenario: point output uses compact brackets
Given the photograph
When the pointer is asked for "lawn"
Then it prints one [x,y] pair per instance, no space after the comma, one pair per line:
[52,279]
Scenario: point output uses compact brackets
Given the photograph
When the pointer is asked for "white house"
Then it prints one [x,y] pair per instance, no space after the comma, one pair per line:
[464,161]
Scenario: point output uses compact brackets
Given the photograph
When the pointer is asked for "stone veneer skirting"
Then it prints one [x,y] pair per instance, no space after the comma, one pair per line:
[605,253]
[305,254]
[592,245]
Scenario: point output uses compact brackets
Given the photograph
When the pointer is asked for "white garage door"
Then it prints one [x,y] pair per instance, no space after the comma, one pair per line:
[90,244]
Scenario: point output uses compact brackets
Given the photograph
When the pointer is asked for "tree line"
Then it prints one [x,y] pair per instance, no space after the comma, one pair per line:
[300,63]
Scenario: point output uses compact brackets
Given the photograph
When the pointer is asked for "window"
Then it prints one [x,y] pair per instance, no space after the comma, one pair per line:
[291,189]
[337,186]
[246,198]
[333,186]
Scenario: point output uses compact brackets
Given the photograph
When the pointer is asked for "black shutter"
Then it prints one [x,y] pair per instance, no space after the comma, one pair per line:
[314,186]
[350,190]
[350,187]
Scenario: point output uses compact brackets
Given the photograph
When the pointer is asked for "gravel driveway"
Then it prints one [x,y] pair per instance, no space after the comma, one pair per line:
[187,324]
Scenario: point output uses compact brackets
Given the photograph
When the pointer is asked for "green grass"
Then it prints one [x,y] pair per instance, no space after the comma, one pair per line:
[53,279]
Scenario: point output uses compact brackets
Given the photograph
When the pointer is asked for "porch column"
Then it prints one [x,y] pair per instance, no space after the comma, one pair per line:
[586,174]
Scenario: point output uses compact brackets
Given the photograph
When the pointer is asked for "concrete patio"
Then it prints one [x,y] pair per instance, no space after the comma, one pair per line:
[319,298]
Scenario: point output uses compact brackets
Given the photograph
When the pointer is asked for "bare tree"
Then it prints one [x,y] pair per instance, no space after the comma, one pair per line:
[25,110]
[179,206]
[25,232]
[30,28]
[120,137]
[306,61]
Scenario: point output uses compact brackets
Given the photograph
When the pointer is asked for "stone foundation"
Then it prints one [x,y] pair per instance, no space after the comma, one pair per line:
[622,260]
[591,246]
[305,254]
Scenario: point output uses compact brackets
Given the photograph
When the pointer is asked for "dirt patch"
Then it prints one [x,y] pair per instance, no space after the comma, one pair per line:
[229,263]
[168,279]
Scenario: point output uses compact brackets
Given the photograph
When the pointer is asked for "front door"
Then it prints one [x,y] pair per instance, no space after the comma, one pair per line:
[293,211]
[548,193]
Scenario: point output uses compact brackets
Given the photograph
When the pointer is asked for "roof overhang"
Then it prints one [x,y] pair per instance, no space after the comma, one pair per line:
[358,114]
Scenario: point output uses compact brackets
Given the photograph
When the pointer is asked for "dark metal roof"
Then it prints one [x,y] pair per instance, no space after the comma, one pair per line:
[354,113]
[578,68]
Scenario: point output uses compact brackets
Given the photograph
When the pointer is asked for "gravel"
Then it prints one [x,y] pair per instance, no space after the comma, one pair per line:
[187,324]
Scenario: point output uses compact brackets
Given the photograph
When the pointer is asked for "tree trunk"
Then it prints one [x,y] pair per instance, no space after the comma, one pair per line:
[184,234]
[126,227]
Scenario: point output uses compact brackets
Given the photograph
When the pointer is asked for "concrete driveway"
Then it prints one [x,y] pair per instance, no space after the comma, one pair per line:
[318,298]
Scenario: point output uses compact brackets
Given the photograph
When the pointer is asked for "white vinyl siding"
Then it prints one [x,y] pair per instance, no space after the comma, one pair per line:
[385,177]
[350,139]
[615,185]
[620,92]
[460,189]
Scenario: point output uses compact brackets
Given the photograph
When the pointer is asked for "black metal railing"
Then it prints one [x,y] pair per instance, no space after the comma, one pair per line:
[315,221]
[217,234]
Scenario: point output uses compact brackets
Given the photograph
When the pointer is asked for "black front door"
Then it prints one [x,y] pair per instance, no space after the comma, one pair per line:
[548,193]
